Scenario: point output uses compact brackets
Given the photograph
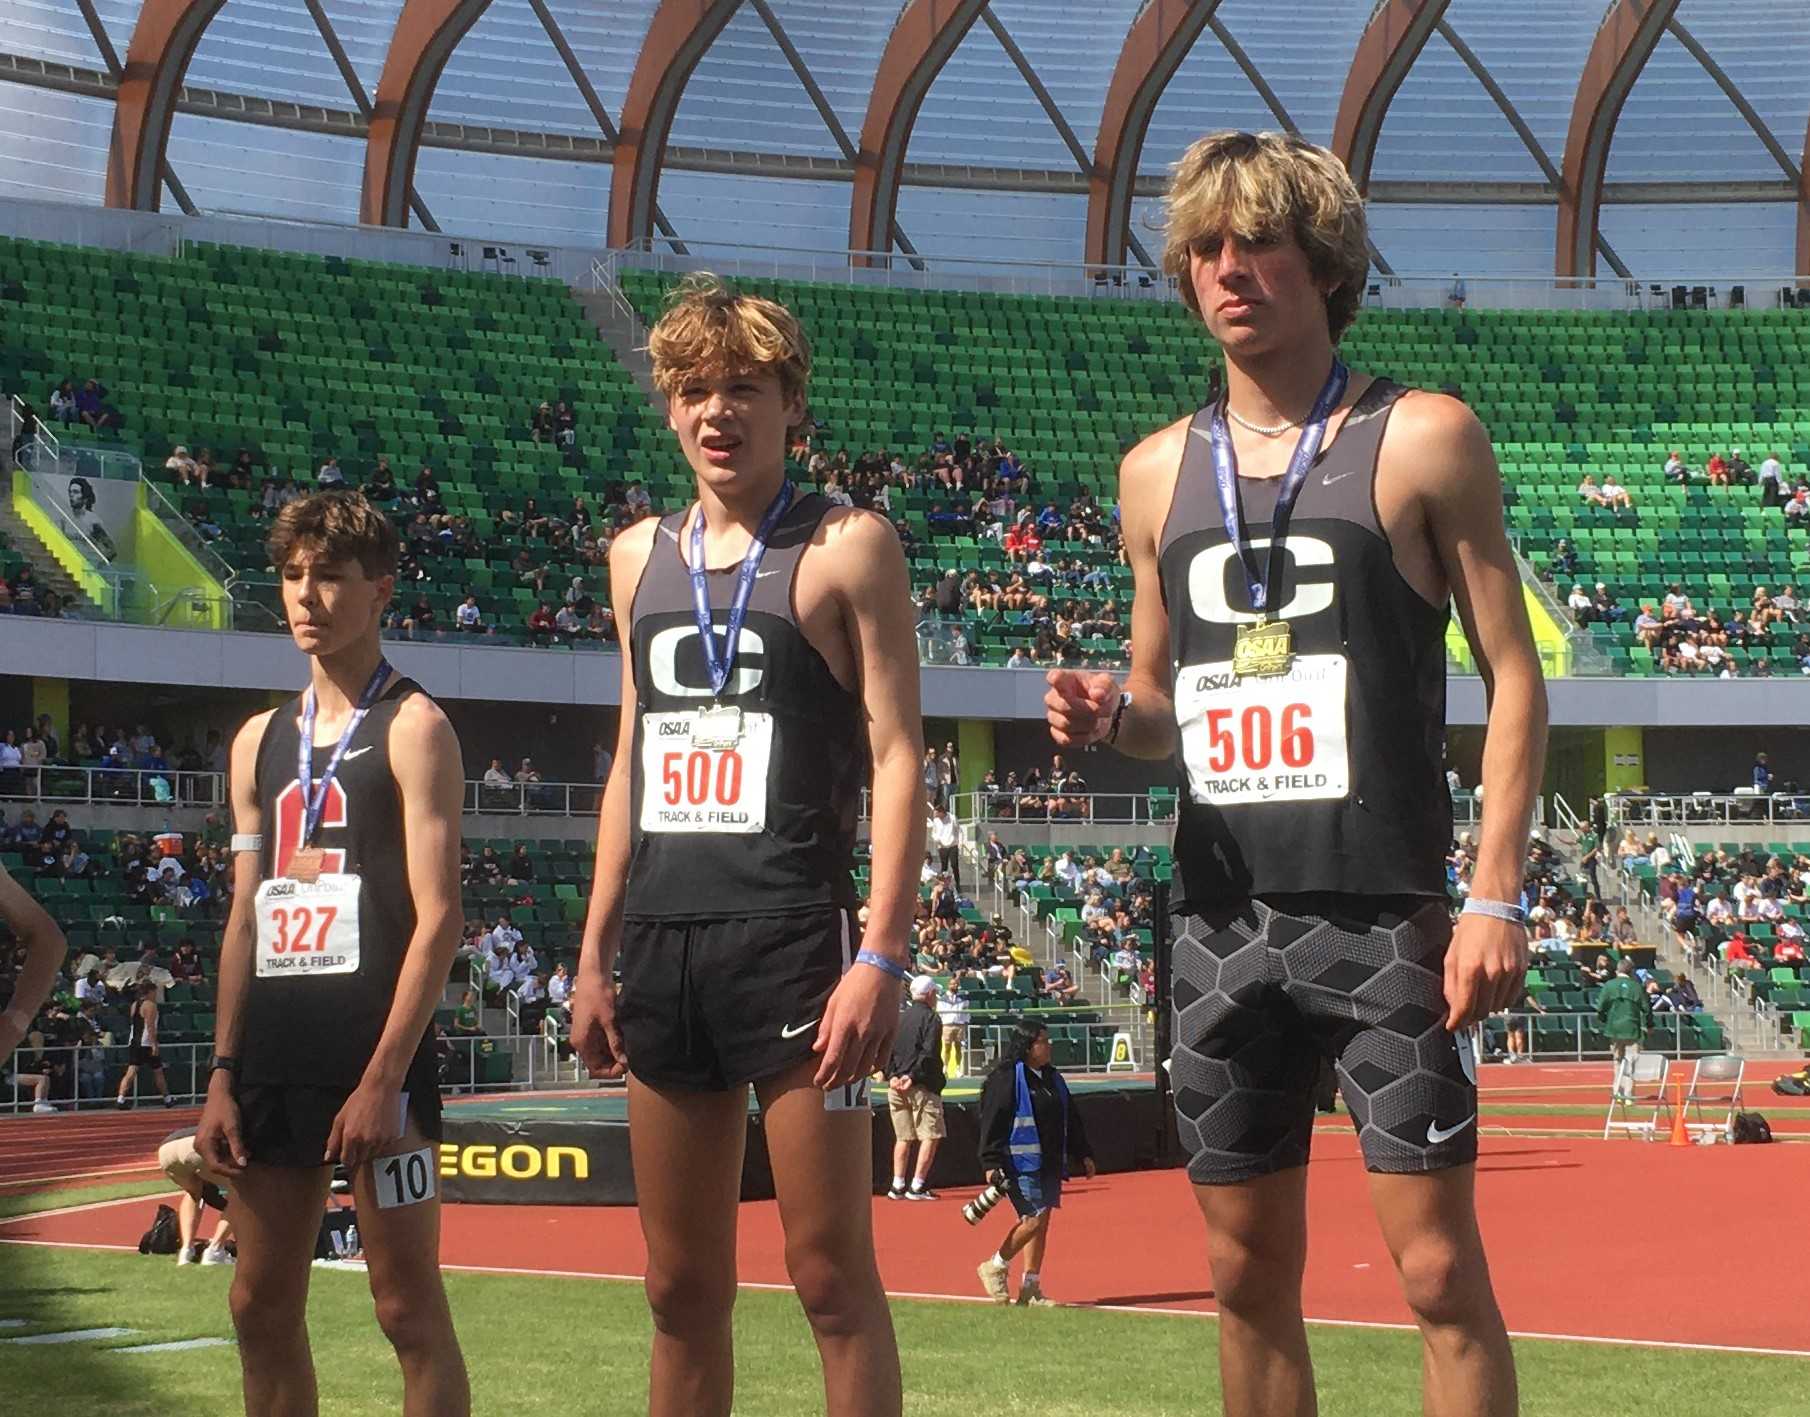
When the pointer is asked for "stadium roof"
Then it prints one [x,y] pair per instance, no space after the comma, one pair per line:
[1653,137]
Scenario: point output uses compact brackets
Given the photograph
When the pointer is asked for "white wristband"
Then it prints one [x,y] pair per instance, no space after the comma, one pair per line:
[247,841]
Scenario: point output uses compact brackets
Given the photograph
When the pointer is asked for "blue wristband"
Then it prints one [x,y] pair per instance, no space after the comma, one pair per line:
[1495,909]
[883,964]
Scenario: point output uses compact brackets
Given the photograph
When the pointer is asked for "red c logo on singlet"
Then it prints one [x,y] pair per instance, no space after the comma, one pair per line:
[288,828]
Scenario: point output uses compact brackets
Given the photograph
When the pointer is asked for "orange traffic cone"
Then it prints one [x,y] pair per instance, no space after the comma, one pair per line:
[1681,1134]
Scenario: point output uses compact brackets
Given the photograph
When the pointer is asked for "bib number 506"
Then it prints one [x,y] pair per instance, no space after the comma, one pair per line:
[691,777]
[1254,736]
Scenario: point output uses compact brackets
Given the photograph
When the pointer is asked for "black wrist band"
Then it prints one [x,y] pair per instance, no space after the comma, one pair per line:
[223,1064]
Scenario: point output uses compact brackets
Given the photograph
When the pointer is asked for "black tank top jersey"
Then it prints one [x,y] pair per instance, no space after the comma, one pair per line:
[818,760]
[137,1017]
[1341,593]
[321,1032]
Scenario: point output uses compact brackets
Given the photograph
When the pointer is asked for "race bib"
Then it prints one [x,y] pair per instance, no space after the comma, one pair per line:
[1274,739]
[694,780]
[308,928]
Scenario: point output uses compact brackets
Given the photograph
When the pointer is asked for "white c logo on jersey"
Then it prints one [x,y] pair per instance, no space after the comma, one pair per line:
[1207,581]
[663,656]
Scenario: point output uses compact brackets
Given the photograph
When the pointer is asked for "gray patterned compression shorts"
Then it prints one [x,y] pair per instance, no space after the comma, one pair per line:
[1270,992]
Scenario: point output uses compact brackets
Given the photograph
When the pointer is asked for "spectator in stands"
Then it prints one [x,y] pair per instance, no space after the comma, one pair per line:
[915,1078]
[1716,470]
[1615,496]
[1590,492]
[185,965]
[1605,607]
[531,1001]
[1797,509]
[1683,996]
[1578,603]
[180,466]
[1059,985]
[62,404]
[559,986]
[945,837]
[521,866]
[1674,470]
[1740,954]
[1762,774]
[91,406]
[1647,626]
[470,618]
[330,474]
[1624,1012]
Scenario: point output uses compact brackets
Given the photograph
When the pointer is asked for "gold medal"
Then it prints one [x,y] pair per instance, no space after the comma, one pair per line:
[305,864]
[1263,649]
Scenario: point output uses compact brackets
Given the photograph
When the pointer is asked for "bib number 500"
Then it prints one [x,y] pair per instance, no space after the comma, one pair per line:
[701,775]
[1256,736]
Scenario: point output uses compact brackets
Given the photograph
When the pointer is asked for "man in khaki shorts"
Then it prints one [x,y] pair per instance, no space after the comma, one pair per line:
[180,1159]
[915,1081]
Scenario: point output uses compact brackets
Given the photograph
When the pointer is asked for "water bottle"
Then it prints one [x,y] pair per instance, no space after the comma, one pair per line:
[352,1250]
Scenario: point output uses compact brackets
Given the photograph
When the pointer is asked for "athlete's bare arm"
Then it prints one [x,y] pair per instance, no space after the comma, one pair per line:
[430,778]
[1460,489]
[218,1139]
[595,1037]
[44,951]
[867,574]
[1080,706]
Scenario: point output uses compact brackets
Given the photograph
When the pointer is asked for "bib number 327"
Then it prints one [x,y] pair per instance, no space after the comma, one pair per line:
[1273,739]
[307,928]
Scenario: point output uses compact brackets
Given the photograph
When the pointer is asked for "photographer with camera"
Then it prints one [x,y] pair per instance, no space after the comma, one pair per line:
[1030,1130]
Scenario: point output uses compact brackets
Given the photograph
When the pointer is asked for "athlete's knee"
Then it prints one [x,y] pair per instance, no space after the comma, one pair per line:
[837,1297]
[689,1298]
[267,1316]
[411,1316]
[1443,1280]
[1255,1272]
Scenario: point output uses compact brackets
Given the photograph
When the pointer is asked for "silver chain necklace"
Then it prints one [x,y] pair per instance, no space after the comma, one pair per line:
[1259,429]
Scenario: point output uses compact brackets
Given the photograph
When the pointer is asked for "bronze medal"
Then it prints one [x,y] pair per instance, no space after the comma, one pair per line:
[1263,650]
[305,864]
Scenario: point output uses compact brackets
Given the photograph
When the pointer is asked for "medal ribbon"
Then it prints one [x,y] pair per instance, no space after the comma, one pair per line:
[314,794]
[1225,477]
[744,587]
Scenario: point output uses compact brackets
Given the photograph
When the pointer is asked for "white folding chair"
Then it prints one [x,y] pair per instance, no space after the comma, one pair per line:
[1715,1084]
[1639,1097]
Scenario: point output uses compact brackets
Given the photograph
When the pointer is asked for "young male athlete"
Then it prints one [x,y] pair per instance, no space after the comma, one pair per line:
[772,659]
[346,839]
[1296,549]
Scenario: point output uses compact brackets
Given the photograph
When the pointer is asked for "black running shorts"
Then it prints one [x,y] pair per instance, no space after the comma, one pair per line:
[713,1004]
[284,1125]
[1269,993]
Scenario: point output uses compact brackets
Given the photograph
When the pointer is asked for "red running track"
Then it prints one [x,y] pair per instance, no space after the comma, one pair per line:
[1136,1241]
[38,1152]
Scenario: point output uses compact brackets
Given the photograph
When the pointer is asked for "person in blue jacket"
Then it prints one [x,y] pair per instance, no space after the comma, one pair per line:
[1030,1132]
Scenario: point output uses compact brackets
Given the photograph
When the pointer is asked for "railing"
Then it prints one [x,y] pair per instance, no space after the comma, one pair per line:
[984,1043]
[603,281]
[85,1078]
[1576,1046]
[65,786]
[1739,808]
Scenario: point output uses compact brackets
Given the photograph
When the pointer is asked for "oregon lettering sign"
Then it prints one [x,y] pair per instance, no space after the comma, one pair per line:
[518,1161]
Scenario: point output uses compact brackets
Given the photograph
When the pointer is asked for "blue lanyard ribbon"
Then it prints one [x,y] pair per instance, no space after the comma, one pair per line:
[744,587]
[1225,477]
[314,793]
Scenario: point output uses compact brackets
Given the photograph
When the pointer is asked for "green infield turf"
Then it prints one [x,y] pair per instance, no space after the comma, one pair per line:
[571,1347]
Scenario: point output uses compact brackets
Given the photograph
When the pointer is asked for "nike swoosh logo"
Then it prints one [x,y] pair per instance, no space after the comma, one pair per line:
[762,575]
[801,1028]
[356,751]
[1437,1133]
[1329,479]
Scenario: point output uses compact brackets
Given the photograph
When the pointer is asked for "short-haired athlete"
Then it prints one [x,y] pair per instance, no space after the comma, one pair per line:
[771,661]
[346,857]
[1297,548]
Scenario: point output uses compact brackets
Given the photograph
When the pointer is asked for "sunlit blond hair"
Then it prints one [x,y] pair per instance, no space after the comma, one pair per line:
[1267,186]
[710,330]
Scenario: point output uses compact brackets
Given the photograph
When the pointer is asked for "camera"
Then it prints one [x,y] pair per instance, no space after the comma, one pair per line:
[977,1209]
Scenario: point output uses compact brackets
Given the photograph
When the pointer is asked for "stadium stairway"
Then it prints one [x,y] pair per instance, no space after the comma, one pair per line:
[24,544]
[620,327]
[1748,1034]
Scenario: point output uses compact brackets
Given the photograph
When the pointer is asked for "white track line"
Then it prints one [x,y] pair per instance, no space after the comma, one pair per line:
[90,1205]
[179,1346]
[75,1335]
